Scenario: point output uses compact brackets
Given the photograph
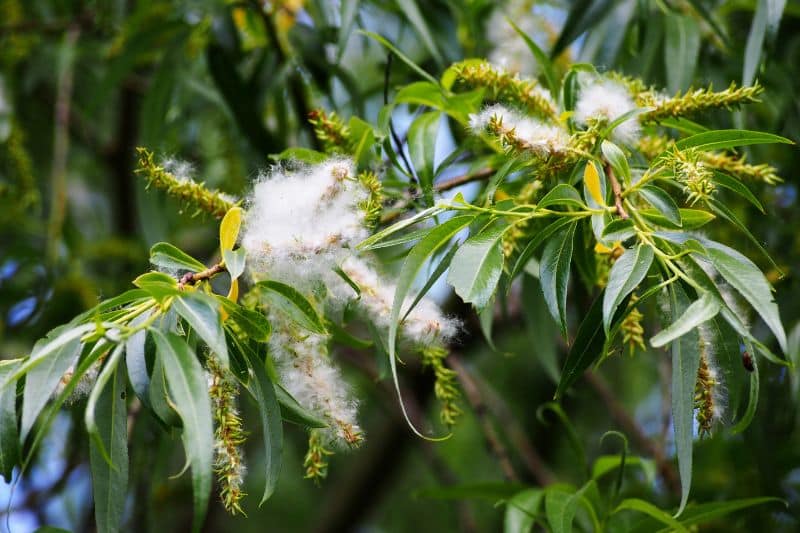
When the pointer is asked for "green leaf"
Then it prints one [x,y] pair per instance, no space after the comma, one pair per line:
[110,469]
[616,158]
[752,401]
[521,510]
[723,211]
[537,241]
[765,24]
[733,184]
[626,274]
[106,374]
[253,323]
[685,362]
[681,49]
[414,261]
[554,274]
[699,312]
[608,463]
[443,265]
[294,304]
[165,255]
[303,155]
[422,148]
[690,218]
[414,15]
[619,229]
[475,270]
[293,412]
[635,504]
[43,379]
[158,285]
[263,392]
[202,314]
[541,58]
[745,277]
[9,439]
[587,346]
[561,195]
[234,262]
[136,364]
[721,139]
[421,93]
[582,15]
[404,58]
[661,200]
[508,167]
[189,392]
[706,512]
[394,228]
[364,135]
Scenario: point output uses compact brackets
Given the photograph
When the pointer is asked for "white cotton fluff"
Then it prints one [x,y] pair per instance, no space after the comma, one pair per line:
[425,326]
[305,370]
[300,224]
[543,139]
[605,99]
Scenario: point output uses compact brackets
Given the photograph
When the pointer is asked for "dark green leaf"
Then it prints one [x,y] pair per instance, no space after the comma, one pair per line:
[293,412]
[635,504]
[626,274]
[618,229]
[681,48]
[9,439]
[733,184]
[290,301]
[721,139]
[202,314]
[404,58]
[106,374]
[477,265]
[561,195]
[554,274]
[537,241]
[263,392]
[165,255]
[723,211]
[189,392]
[252,323]
[422,148]
[699,312]
[661,200]
[690,218]
[108,452]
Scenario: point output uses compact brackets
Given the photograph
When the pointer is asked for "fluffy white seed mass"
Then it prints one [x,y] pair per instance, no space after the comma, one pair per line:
[605,99]
[300,224]
[542,138]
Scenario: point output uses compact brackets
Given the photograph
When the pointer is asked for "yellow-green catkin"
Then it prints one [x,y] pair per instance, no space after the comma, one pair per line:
[705,395]
[444,388]
[191,193]
[693,173]
[373,204]
[228,436]
[316,459]
[17,181]
[503,86]
[331,132]
[632,329]
[651,146]
[695,101]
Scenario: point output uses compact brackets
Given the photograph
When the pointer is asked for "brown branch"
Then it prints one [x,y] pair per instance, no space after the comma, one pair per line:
[629,426]
[190,278]
[617,189]
[493,442]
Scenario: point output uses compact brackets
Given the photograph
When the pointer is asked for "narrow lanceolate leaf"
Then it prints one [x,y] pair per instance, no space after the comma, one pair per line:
[701,310]
[721,139]
[415,260]
[554,274]
[202,314]
[43,379]
[521,511]
[189,393]
[544,62]
[263,392]
[9,440]
[422,148]
[626,274]
[541,237]
[290,301]
[477,265]
[137,364]
[685,362]
[616,158]
[733,184]
[635,504]
[562,195]
[165,255]
[681,49]
[90,419]
[110,474]
[745,277]
[661,200]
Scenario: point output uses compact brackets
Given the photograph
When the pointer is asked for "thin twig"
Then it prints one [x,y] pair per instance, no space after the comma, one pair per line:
[473,394]
[190,278]
[617,189]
